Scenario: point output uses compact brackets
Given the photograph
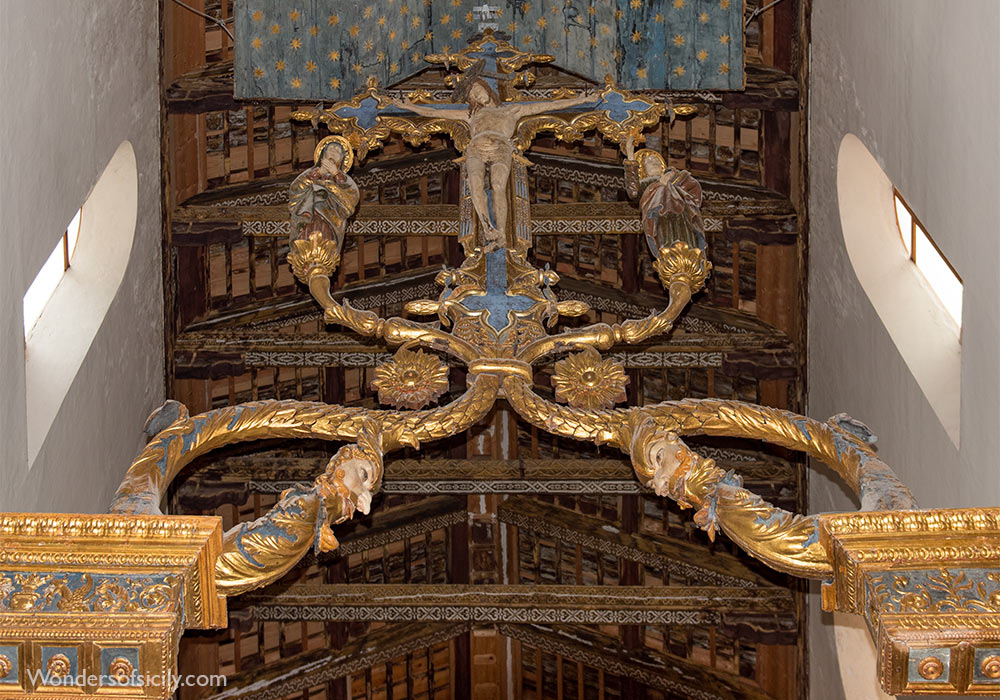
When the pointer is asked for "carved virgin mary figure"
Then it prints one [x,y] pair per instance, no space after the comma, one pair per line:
[324,197]
[670,201]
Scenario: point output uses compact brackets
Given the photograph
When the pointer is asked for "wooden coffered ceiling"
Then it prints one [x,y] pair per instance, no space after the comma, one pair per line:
[504,562]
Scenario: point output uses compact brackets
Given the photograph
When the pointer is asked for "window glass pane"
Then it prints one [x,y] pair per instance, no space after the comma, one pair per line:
[73,232]
[42,287]
[45,283]
[905,223]
[942,280]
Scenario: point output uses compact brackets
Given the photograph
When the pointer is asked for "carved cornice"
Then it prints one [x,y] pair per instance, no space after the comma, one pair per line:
[928,584]
[99,597]
[121,545]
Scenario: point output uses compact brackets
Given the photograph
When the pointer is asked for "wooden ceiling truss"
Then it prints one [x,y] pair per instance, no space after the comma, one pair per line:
[504,562]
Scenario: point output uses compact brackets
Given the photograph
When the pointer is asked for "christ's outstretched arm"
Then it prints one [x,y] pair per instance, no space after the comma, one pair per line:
[529,109]
[434,112]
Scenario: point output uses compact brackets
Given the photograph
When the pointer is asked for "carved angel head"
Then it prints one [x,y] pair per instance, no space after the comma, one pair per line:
[355,473]
[657,455]
[356,476]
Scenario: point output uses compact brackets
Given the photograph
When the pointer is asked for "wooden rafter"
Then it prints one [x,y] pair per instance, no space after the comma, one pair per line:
[682,559]
[679,678]
[298,673]
[394,524]
[290,309]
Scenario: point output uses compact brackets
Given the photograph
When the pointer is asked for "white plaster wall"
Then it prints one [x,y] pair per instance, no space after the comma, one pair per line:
[78,77]
[918,82]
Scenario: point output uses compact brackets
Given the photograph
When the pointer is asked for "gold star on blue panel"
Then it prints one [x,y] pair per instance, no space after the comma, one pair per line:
[329,48]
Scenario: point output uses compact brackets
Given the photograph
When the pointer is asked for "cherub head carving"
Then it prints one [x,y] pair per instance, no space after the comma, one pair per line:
[658,457]
[356,475]
[346,486]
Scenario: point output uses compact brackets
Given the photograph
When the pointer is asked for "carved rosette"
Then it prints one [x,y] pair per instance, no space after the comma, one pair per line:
[58,666]
[314,256]
[412,379]
[681,263]
[586,380]
[121,670]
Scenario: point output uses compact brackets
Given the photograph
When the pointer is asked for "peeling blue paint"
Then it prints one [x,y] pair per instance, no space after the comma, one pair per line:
[288,507]
[801,422]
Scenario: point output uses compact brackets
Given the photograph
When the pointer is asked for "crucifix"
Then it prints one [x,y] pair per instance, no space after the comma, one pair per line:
[492,125]
[492,122]
[488,16]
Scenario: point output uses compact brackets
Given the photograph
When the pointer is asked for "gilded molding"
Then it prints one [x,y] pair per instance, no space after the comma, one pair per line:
[927,583]
[74,585]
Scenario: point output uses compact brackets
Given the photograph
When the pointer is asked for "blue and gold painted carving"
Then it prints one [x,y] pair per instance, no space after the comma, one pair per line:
[10,664]
[112,667]
[61,665]
[46,592]
[328,49]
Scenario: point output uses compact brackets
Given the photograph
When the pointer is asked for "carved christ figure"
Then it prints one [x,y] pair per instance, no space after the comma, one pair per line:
[492,125]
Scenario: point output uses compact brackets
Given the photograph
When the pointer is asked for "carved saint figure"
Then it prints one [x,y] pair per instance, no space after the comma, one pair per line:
[323,198]
[670,200]
[492,125]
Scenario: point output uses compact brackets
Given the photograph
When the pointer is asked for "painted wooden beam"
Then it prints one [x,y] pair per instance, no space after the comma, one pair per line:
[592,605]
[737,211]
[264,472]
[210,88]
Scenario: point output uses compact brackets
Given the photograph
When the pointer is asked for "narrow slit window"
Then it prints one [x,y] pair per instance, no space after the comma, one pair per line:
[933,265]
[48,278]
